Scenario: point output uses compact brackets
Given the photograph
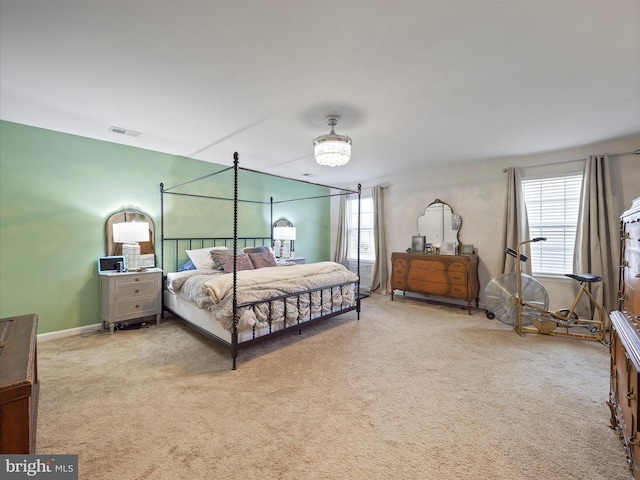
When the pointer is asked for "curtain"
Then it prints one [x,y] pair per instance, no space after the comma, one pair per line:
[516,226]
[380,277]
[342,241]
[597,248]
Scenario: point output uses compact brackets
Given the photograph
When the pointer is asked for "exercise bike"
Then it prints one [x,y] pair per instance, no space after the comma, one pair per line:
[519,300]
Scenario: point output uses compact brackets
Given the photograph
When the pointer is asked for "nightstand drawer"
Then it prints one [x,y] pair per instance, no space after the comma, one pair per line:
[137,307]
[135,279]
[126,291]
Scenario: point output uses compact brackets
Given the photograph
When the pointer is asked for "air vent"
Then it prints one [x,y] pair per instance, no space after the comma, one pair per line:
[124,131]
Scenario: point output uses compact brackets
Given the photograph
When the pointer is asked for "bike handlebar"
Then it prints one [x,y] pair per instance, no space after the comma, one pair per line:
[537,239]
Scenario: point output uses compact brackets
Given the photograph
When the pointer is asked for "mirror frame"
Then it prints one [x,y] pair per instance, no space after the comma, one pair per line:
[129,214]
[456,226]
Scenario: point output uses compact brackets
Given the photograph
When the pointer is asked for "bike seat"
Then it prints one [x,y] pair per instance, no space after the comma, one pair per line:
[584,277]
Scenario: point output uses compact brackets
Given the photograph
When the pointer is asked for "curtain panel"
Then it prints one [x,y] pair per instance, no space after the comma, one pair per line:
[380,278]
[597,248]
[516,225]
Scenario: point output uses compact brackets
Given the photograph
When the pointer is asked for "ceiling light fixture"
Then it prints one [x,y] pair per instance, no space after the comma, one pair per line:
[332,149]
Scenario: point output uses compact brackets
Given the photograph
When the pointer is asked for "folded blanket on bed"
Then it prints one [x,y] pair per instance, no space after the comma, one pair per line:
[213,291]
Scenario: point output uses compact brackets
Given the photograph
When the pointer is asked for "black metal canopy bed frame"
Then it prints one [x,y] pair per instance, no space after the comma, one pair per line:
[279,311]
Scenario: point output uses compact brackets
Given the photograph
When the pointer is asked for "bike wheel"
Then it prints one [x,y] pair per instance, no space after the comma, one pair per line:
[501,297]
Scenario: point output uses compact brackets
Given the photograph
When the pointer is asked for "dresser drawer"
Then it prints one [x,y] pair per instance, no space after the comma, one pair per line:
[458,267]
[430,286]
[429,276]
[427,263]
[459,291]
[457,278]
[399,271]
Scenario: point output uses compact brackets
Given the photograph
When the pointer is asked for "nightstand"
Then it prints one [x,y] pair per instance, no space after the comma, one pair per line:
[299,260]
[291,261]
[128,295]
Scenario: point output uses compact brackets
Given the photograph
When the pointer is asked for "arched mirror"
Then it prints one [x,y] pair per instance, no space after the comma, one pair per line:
[284,234]
[440,227]
[128,215]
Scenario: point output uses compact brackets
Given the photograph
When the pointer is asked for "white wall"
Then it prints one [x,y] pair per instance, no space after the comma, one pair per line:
[477,193]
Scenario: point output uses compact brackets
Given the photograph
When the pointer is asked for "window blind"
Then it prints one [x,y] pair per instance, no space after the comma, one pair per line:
[552,210]
[367,244]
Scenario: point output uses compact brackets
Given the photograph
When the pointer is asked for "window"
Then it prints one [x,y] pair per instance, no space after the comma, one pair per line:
[367,244]
[552,208]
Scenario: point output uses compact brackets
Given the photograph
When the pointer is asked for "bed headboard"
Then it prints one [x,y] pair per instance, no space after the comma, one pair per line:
[174,249]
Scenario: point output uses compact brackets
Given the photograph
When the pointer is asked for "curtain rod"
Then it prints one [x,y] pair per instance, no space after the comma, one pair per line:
[635,152]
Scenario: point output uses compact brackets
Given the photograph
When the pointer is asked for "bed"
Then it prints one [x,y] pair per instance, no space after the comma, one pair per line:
[235,291]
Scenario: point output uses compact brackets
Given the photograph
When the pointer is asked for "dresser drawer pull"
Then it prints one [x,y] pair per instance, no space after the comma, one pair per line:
[630,396]
[137,279]
[137,306]
[137,291]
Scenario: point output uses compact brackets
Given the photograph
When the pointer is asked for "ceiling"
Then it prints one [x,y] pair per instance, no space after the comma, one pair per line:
[418,84]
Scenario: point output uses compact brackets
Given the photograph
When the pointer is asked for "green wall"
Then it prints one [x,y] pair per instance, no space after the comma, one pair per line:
[57,191]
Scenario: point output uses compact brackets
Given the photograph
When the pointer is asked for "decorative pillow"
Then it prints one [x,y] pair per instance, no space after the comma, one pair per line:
[262,259]
[201,257]
[187,266]
[217,256]
[256,249]
[243,262]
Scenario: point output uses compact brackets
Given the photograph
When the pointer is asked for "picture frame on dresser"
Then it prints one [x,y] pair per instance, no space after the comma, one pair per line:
[466,249]
[418,243]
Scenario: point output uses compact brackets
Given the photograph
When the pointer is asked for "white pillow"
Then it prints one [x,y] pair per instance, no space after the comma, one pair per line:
[201,257]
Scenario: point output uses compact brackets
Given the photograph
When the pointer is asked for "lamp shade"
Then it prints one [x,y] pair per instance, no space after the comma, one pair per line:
[332,149]
[284,233]
[131,232]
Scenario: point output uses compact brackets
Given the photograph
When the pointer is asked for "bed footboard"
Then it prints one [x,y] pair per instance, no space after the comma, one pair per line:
[283,314]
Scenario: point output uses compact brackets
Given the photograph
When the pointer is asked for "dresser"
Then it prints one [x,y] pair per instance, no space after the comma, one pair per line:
[129,295]
[453,276]
[625,341]
[18,384]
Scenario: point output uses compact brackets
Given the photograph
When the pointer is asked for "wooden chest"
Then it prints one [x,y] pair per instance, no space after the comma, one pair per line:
[625,346]
[18,384]
[453,276]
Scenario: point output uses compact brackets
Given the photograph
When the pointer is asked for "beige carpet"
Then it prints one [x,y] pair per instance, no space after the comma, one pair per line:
[410,391]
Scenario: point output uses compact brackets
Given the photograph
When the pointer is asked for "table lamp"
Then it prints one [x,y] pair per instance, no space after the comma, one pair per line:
[129,234]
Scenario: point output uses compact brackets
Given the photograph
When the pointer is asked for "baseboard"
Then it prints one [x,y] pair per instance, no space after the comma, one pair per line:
[70,332]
